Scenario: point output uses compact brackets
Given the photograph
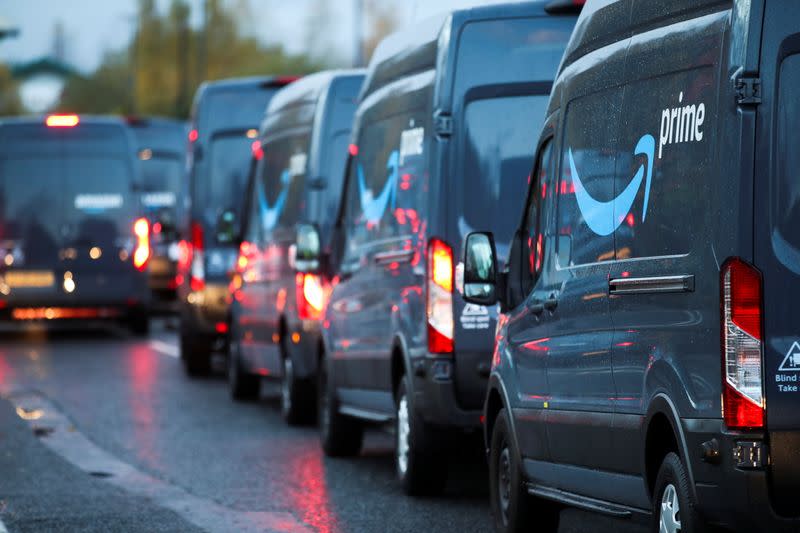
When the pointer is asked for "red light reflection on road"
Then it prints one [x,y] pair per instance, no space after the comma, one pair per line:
[6,372]
[309,496]
[142,367]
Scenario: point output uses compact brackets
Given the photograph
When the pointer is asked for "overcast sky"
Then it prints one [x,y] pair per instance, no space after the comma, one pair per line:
[93,26]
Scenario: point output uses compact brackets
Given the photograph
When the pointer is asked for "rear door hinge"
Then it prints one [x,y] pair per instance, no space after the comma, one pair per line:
[748,90]
[442,124]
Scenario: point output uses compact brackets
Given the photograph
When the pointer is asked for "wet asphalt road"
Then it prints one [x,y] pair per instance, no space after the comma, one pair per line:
[181,456]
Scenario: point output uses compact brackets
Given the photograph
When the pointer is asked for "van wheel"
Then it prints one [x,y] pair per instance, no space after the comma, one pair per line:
[139,323]
[340,435]
[243,386]
[196,357]
[513,509]
[296,401]
[421,471]
[673,508]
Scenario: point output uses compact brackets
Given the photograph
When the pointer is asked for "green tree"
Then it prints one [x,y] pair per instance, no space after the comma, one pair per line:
[167,60]
[10,103]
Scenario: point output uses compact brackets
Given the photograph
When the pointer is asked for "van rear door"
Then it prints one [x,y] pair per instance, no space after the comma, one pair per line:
[67,205]
[777,244]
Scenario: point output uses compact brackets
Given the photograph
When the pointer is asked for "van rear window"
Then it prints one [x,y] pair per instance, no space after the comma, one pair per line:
[223,186]
[498,159]
[48,198]
[235,108]
[786,192]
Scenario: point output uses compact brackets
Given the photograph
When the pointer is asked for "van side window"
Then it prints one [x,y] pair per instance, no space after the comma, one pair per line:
[534,241]
[282,183]
[385,187]
[586,183]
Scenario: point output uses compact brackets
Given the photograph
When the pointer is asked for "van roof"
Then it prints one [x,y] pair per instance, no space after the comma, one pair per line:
[308,89]
[604,23]
[244,83]
[415,49]
[40,120]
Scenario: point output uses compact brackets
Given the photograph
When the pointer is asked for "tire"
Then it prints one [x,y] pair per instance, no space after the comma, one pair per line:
[297,406]
[244,387]
[196,356]
[139,323]
[420,470]
[513,509]
[340,435]
[673,505]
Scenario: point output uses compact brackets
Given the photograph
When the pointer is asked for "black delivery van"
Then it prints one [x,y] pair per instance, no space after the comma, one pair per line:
[224,125]
[276,319]
[442,144]
[73,240]
[648,353]
[161,149]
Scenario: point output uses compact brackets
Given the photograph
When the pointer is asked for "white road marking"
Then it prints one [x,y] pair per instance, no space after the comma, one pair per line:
[164,348]
[73,446]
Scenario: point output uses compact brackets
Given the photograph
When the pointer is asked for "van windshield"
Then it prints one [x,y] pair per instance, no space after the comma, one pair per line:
[500,136]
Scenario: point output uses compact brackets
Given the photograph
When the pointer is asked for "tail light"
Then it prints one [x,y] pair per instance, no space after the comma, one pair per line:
[141,228]
[742,338]
[440,297]
[310,296]
[197,273]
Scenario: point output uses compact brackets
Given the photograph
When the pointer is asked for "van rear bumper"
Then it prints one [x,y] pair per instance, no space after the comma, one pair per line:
[729,495]
[435,397]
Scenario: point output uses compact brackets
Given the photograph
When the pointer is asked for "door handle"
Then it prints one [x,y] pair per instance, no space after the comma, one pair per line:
[536,309]
[652,285]
[550,304]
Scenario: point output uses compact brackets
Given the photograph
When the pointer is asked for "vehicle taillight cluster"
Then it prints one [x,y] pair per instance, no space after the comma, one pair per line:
[440,297]
[742,337]
[197,272]
[311,294]
[141,254]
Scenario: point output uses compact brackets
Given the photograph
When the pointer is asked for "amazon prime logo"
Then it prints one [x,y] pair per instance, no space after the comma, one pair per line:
[680,124]
[604,218]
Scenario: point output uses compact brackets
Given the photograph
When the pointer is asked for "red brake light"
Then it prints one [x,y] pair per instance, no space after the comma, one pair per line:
[440,298]
[141,229]
[197,278]
[258,150]
[442,265]
[310,296]
[742,347]
[62,121]
[745,284]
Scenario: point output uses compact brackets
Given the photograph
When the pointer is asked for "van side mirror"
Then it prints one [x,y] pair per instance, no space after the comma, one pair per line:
[308,249]
[227,227]
[480,269]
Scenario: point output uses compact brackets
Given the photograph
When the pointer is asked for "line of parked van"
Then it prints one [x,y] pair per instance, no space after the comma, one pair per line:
[576,236]
[623,358]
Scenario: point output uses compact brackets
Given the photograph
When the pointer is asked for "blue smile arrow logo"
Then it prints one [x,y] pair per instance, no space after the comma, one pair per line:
[270,214]
[373,206]
[604,218]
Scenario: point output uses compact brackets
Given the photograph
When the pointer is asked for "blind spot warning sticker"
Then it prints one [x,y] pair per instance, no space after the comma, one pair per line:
[791,363]
[475,317]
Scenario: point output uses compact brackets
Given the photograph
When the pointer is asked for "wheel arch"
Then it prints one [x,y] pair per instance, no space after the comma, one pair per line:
[662,433]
